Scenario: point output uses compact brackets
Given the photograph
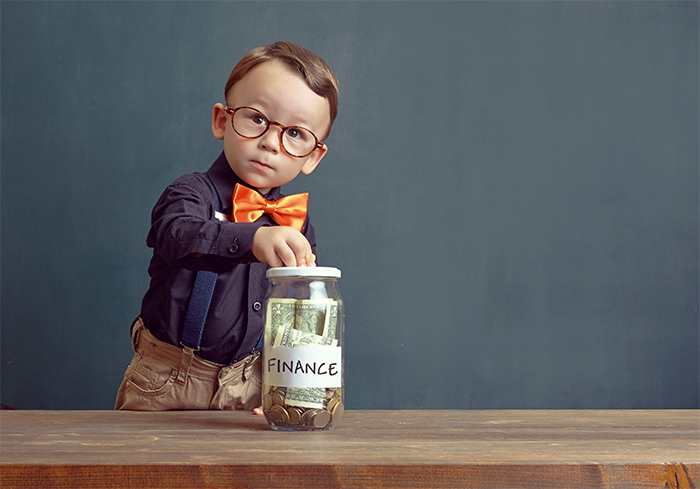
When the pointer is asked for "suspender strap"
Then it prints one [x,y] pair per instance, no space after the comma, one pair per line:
[259,346]
[197,310]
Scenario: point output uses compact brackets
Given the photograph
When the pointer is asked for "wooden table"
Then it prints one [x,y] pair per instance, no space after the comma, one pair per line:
[372,449]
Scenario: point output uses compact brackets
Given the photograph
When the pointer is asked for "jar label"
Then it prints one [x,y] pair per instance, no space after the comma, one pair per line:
[303,366]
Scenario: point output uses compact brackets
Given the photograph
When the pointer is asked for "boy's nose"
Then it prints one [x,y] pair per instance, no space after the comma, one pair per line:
[271,139]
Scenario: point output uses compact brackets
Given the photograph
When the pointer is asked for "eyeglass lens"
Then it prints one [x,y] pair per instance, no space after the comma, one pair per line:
[251,123]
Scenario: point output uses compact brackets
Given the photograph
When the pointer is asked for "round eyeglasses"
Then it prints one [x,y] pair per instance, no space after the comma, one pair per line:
[250,123]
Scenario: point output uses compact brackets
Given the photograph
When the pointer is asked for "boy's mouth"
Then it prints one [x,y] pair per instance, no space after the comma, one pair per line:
[261,165]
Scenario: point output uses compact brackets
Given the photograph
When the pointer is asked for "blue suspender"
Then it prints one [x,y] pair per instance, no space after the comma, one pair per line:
[197,311]
[198,307]
[259,345]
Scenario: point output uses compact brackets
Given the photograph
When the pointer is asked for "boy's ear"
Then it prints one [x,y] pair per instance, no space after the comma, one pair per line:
[314,160]
[218,121]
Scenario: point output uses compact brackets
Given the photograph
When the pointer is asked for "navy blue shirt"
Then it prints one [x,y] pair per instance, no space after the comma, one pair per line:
[183,226]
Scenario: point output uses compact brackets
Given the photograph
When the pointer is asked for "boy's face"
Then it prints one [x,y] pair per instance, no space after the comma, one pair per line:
[284,97]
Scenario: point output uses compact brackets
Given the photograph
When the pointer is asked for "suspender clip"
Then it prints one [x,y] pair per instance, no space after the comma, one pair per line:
[185,363]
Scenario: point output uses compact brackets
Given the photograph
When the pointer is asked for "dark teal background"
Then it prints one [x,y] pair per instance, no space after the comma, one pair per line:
[511,191]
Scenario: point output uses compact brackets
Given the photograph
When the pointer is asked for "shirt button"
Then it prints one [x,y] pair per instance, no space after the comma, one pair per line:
[234,246]
[257,306]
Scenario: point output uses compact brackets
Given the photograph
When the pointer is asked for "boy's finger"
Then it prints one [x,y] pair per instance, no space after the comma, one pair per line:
[275,261]
[303,255]
[310,260]
[286,257]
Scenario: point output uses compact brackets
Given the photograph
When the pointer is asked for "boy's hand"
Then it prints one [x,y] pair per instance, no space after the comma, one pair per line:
[282,246]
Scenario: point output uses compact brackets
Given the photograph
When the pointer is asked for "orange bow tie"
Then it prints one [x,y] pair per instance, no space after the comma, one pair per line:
[249,205]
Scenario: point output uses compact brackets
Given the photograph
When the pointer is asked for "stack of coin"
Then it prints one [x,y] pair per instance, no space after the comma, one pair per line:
[280,415]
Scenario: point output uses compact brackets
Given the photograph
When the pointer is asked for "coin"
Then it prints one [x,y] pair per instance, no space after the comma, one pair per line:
[334,393]
[294,414]
[331,404]
[321,419]
[307,418]
[337,411]
[278,416]
[267,402]
[278,397]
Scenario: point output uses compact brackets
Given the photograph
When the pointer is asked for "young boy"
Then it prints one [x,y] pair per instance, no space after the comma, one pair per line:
[196,348]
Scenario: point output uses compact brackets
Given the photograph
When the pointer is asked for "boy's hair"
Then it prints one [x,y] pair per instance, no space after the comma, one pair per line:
[317,74]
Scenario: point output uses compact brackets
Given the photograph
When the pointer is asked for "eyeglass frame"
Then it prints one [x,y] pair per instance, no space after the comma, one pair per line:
[230,110]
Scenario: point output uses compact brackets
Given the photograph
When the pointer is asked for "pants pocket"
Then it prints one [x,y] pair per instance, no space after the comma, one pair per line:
[150,376]
[148,385]
[240,390]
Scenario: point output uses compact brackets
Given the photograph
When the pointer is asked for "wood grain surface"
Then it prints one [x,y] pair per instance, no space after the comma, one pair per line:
[372,449]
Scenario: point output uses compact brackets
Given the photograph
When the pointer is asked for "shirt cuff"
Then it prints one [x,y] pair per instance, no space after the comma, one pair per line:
[236,240]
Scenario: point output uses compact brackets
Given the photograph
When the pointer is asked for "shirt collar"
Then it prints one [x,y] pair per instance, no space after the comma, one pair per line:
[225,180]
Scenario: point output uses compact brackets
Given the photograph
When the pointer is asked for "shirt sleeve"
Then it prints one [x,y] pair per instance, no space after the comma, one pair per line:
[310,233]
[186,235]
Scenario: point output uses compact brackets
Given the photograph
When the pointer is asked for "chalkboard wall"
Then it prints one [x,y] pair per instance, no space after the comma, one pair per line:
[511,191]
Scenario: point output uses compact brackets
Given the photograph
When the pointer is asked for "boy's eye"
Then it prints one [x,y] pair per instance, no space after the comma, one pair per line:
[258,119]
[294,133]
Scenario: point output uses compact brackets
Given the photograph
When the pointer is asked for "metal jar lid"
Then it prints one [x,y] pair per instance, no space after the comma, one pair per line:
[304,272]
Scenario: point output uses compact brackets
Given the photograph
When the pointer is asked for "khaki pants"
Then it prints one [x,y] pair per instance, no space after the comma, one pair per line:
[163,377]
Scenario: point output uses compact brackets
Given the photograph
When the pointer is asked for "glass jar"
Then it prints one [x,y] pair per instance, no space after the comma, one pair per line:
[302,350]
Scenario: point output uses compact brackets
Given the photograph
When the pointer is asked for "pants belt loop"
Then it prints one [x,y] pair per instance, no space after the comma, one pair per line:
[185,363]
[247,368]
